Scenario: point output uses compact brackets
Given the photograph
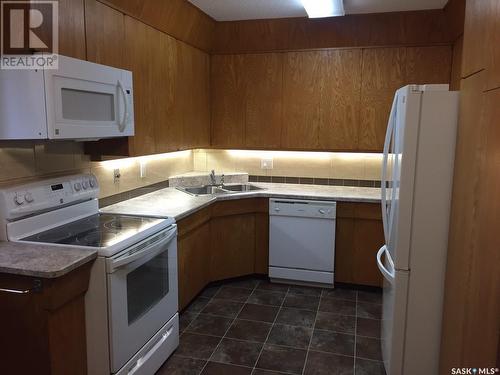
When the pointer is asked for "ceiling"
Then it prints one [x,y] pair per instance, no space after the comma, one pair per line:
[232,10]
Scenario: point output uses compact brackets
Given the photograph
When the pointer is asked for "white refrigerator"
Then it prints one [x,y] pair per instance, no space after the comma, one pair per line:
[417,176]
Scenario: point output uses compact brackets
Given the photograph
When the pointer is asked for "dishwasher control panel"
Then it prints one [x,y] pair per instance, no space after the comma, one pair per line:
[302,208]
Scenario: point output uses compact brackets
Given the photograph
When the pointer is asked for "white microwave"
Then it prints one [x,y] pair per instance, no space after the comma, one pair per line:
[79,100]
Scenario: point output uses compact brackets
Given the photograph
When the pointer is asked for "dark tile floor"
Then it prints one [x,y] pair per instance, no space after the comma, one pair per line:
[253,327]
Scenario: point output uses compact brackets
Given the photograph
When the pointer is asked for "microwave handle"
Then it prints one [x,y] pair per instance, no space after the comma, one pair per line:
[123,121]
[152,249]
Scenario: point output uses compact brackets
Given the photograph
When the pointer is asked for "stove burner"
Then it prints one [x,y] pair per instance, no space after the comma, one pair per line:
[123,223]
[100,230]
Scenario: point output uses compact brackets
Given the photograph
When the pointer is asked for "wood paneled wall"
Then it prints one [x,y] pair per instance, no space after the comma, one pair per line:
[330,100]
[178,18]
[471,320]
[360,30]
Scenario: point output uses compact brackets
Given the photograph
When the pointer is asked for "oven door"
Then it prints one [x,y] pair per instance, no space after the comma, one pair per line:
[142,293]
[88,101]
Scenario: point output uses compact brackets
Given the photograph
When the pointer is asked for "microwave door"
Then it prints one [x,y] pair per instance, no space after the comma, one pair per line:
[89,103]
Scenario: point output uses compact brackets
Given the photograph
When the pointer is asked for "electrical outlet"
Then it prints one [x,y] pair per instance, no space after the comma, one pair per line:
[266,163]
[142,169]
[116,175]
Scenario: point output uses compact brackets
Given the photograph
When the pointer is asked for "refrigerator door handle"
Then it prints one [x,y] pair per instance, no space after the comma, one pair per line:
[388,274]
[388,135]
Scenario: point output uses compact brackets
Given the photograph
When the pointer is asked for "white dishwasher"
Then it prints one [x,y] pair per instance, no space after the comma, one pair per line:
[302,240]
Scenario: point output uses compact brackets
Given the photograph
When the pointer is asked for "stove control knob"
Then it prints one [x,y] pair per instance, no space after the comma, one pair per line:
[92,183]
[19,200]
[85,185]
[28,197]
[78,186]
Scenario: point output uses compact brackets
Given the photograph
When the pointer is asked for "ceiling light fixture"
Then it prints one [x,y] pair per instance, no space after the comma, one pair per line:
[324,8]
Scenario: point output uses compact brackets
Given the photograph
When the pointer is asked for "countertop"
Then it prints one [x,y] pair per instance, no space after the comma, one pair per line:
[177,204]
[45,261]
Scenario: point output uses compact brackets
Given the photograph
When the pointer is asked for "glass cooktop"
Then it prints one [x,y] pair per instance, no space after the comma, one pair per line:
[100,230]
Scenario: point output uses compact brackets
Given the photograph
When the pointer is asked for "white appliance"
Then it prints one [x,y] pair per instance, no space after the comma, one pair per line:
[131,305]
[79,100]
[417,180]
[302,241]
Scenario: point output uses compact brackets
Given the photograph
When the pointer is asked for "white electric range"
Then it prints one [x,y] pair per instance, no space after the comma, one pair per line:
[131,305]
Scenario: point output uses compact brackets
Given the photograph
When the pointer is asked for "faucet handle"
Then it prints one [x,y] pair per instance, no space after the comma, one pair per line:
[222,179]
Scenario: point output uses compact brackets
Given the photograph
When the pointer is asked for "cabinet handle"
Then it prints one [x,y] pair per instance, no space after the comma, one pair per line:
[37,287]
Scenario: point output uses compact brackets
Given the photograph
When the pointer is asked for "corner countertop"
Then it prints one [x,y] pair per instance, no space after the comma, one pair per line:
[174,203]
[45,261]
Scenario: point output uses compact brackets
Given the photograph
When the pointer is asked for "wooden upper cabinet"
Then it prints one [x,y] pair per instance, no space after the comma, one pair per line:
[263,76]
[105,31]
[228,101]
[492,44]
[151,56]
[475,28]
[321,99]
[428,65]
[302,77]
[192,96]
[72,28]
[340,100]
[383,73]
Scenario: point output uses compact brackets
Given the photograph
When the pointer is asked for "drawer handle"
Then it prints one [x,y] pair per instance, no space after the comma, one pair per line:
[37,287]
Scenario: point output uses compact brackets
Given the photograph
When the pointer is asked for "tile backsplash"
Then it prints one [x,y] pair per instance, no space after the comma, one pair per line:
[313,165]
[31,159]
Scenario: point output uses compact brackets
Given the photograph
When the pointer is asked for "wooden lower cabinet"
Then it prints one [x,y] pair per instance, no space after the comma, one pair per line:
[193,258]
[43,331]
[359,235]
[226,240]
[231,239]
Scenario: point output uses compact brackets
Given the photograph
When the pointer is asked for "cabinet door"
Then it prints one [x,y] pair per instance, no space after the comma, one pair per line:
[263,75]
[228,101]
[192,97]
[340,96]
[105,32]
[383,73]
[151,56]
[492,44]
[302,74]
[193,251]
[359,235]
[232,246]
[427,65]
[262,243]
[475,28]
[72,28]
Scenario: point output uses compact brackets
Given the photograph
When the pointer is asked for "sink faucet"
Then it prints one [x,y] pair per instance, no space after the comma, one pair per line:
[212,177]
[213,180]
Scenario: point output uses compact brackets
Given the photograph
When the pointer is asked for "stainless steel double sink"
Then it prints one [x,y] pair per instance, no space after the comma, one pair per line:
[219,189]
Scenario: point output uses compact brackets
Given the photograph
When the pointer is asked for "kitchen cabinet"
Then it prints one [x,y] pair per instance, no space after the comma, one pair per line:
[105,32]
[43,331]
[192,97]
[72,28]
[228,101]
[359,235]
[475,28]
[384,71]
[171,84]
[225,240]
[151,56]
[246,100]
[321,99]
[233,246]
[193,255]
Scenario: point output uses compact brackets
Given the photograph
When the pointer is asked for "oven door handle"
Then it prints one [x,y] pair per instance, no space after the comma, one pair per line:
[147,248]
